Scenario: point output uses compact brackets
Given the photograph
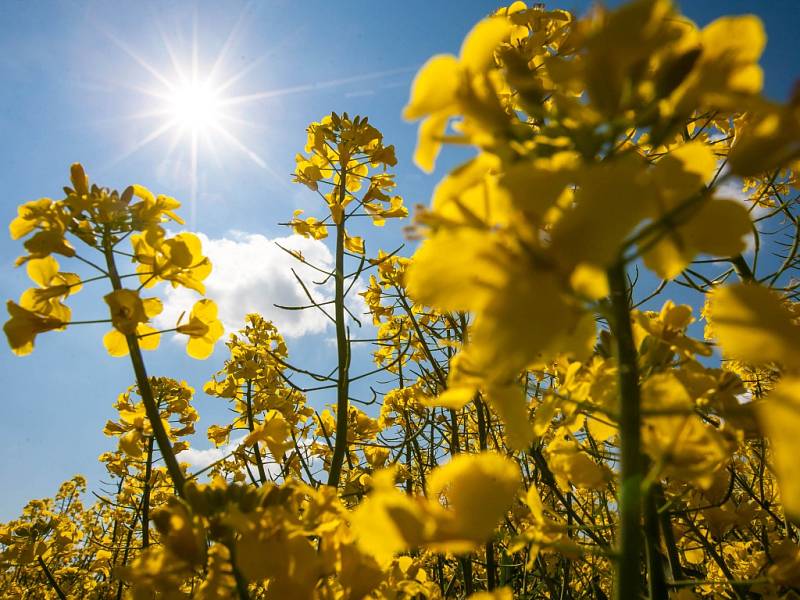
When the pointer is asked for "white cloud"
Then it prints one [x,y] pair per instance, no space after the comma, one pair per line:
[732,190]
[251,274]
[200,459]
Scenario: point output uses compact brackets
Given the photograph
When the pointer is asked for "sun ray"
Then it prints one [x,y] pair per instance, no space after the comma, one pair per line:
[229,42]
[139,60]
[254,63]
[240,121]
[253,156]
[193,183]
[311,87]
[173,56]
[142,115]
[195,105]
[240,146]
[148,139]
[211,147]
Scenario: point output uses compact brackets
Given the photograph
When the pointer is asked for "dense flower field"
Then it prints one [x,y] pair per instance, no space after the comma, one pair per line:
[535,431]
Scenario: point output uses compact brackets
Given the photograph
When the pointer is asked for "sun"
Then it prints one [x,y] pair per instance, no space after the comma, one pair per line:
[195,106]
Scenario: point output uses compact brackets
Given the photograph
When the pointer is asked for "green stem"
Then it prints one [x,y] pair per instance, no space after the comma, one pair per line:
[628,575]
[673,557]
[656,560]
[491,564]
[241,582]
[128,541]
[143,383]
[51,579]
[343,350]
[743,270]
[466,573]
[262,474]
[146,495]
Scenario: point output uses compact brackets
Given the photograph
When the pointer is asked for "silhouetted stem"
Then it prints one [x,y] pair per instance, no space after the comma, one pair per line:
[343,351]
[51,579]
[262,474]
[146,495]
[629,541]
[143,383]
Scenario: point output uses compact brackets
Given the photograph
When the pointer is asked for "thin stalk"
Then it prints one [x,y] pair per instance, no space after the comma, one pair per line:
[343,349]
[241,582]
[675,570]
[491,565]
[143,383]
[128,540]
[262,474]
[466,572]
[148,469]
[656,560]
[628,579]
[51,579]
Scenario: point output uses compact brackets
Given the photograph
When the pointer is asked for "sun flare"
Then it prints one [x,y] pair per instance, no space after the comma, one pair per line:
[195,106]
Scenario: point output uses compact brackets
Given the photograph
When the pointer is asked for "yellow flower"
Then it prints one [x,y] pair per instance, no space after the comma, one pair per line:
[152,210]
[23,326]
[51,219]
[274,432]
[752,324]
[203,329]
[53,287]
[442,87]
[466,499]
[127,310]
[178,259]
[309,227]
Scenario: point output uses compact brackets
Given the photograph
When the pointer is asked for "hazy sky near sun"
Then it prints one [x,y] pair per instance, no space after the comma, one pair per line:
[79,81]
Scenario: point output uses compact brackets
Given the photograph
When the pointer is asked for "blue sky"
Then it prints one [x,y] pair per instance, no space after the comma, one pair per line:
[74,75]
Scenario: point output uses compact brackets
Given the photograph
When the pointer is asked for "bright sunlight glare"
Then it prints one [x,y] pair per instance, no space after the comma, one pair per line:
[195,106]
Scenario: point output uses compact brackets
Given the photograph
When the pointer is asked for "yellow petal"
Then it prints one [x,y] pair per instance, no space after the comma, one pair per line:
[454,397]
[388,521]
[129,443]
[737,42]
[444,272]
[589,281]
[477,51]
[354,243]
[503,593]
[142,192]
[198,348]
[479,489]
[717,228]
[42,270]
[115,343]
[429,141]
[149,337]
[434,87]
[779,415]
[752,324]
[511,405]
[152,307]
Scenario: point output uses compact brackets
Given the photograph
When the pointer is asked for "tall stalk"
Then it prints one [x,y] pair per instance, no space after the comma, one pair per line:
[262,474]
[629,541]
[148,470]
[142,382]
[342,347]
